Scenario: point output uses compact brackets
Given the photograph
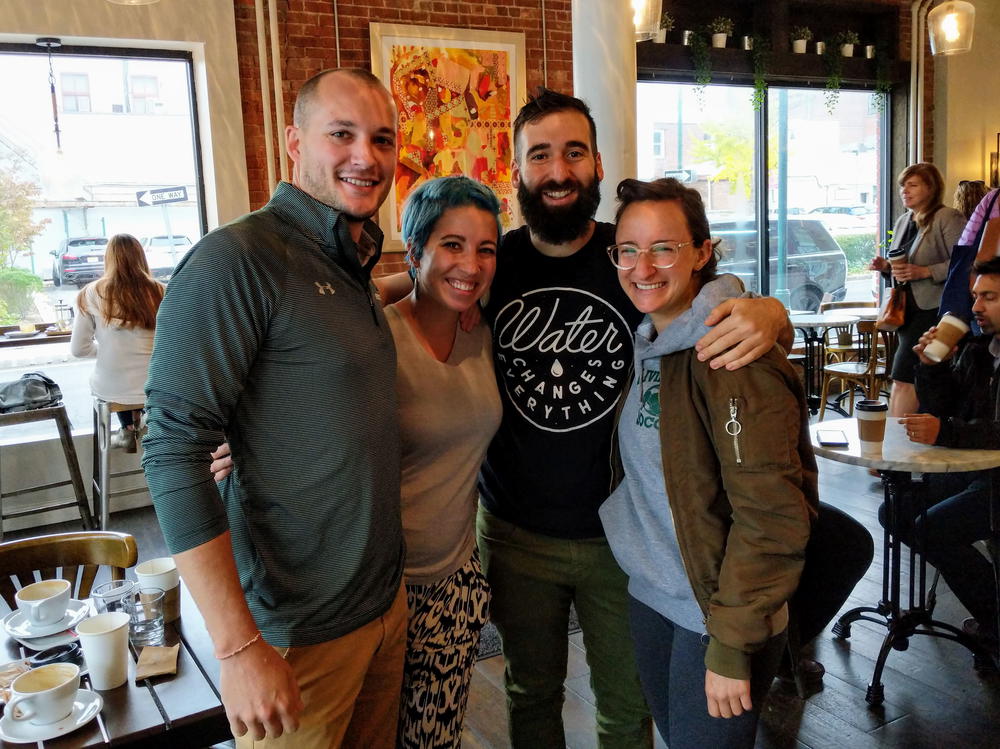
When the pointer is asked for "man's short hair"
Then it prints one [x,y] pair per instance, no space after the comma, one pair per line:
[989,267]
[308,91]
[544,102]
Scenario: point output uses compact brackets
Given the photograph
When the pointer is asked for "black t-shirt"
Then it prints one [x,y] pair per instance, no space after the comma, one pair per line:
[562,345]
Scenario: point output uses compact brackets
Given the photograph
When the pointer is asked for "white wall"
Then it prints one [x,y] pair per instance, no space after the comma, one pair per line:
[967,103]
[206,28]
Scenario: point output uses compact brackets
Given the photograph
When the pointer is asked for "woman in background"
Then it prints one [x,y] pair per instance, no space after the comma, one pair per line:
[926,232]
[116,316]
[712,517]
[968,195]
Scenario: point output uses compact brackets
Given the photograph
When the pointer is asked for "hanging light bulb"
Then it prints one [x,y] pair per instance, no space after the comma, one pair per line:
[50,43]
[646,18]
[950,25]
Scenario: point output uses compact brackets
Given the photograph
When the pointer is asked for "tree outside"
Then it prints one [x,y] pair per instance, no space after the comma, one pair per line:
[17,231]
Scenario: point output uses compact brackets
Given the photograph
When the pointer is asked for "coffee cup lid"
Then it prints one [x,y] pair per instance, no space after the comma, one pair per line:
[871,405]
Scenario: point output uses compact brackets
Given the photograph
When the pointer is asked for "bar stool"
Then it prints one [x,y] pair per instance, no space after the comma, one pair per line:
[57,414]
[101,483]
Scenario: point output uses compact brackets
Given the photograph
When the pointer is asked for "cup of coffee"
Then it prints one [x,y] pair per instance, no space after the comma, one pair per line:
[45,602]
[105,648]
[950,330]
[162,573]
[871,416]
[44,695]
[896,257]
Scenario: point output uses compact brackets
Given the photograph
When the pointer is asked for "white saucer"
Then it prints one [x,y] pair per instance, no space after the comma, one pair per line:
[49,641]
[18,625]
[85,708]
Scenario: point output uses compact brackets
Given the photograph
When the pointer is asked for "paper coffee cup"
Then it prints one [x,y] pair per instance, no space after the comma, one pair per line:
[950,330]
[44,695]
[45,602]
[104,639]
[871,415]
[162,573]
[897,257]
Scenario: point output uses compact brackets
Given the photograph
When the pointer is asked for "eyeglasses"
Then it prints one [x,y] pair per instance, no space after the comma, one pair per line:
[662,255]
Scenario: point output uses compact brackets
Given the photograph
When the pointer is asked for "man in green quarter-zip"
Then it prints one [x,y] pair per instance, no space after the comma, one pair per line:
[269,336]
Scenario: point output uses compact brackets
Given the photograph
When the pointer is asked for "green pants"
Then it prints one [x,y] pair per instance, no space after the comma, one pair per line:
[534,579]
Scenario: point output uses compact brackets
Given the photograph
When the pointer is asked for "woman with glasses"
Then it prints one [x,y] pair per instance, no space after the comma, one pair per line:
[712,517]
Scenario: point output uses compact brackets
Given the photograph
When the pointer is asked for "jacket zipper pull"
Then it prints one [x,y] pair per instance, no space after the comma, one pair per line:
[733,428]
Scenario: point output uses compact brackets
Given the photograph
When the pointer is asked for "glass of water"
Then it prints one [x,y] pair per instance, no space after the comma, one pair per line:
[113,596]
[146,610]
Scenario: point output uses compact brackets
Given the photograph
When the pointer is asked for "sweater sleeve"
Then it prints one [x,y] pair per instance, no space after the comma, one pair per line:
[82,341]
[210,327]
[977,219]
[766,482]
[936,387]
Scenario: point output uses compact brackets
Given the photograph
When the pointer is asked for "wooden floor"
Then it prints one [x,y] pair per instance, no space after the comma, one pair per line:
[933,697]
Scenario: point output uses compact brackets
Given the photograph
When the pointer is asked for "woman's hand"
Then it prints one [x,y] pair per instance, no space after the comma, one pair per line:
[910,272]
[880,264]
[222,462]
[727,697]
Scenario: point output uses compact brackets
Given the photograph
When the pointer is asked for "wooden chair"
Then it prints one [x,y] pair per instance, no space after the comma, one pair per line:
[865,374]
[77,555]
[841,343]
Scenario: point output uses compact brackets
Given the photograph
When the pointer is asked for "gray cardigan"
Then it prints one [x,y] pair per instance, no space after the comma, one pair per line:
[931,248]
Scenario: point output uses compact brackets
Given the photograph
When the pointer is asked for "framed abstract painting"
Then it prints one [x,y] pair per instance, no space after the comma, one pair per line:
[457,92]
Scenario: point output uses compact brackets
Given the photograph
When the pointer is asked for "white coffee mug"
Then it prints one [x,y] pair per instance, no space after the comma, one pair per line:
[104,639]
[45,694]
[45,602]
[162,573]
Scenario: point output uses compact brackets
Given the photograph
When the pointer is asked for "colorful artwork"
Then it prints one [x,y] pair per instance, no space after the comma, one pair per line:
[456,102]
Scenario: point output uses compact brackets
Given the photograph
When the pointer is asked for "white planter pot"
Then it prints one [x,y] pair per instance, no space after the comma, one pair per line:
[820,48]
[686,38]
[661,36]
[847,50]
[719,40]
[799,46]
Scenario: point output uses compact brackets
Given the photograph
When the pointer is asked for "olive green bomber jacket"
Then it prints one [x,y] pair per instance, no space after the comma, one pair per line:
[742,497]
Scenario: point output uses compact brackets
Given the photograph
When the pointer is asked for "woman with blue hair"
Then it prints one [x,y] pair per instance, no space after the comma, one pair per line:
[449,409]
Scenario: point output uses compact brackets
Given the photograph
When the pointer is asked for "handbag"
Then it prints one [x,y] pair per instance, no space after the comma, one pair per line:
[33,390]
[893,312]
[956,297]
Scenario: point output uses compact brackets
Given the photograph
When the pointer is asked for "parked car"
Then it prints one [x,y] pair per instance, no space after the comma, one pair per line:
[815,265]
[846,218]
[163,252]
[78,260]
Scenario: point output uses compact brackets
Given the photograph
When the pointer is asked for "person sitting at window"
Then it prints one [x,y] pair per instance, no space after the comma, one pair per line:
[115,322]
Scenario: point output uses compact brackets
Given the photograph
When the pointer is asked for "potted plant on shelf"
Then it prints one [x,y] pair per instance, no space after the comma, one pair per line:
[800,38]
[721,28]
[666,26]
[847,41]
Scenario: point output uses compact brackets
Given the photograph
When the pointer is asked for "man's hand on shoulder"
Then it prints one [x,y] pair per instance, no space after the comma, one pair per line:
[743,330]
[260,693]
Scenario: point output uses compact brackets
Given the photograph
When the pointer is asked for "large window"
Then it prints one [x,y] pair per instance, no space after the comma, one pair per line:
[75,92]
[821,182]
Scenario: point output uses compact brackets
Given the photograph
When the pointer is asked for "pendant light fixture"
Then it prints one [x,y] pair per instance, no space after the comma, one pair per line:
[950,25]
[646,17]
[50,43]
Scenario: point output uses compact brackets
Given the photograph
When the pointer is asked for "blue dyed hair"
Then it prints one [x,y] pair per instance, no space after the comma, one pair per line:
[430,200]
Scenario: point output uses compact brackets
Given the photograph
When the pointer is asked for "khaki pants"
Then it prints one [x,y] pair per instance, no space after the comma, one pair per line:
[350,687]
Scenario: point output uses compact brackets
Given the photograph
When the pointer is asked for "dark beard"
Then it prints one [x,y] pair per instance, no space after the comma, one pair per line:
[559,225]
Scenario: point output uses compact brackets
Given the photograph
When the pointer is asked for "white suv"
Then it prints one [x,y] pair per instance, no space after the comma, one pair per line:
[163,252]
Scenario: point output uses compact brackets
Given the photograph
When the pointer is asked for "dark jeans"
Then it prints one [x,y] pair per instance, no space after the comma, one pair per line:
[671,663]
[128,418]
[959,514]
[839,553]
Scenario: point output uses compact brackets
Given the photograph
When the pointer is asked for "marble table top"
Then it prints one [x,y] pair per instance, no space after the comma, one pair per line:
[824,320]
[899,454]
[864,313]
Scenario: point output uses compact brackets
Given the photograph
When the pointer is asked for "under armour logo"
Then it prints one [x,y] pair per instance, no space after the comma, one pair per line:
[324,287]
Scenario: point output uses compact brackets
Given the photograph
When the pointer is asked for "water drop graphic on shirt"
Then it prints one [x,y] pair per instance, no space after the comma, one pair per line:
[556,369]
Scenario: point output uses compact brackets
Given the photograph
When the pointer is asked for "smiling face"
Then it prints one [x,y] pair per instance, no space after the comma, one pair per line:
[915,193]
[344,148]
[663,293]
[557,174]
[986,303]
[459,259]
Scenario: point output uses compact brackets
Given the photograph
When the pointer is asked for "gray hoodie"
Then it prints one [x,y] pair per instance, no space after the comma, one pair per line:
[636,517]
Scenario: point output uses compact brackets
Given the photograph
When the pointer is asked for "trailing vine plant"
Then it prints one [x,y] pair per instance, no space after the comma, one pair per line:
[834,76]
[883,84]
[701,59]
[761,57]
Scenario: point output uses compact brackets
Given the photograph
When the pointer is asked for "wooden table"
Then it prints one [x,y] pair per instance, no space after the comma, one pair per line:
[898,460]
[813,329]
[40,336]
[166,711]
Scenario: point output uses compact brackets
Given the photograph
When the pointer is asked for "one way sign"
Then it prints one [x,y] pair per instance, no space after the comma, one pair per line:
[162,195]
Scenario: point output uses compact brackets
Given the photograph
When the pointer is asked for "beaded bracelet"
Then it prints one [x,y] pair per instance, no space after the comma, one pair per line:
[241,648]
